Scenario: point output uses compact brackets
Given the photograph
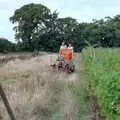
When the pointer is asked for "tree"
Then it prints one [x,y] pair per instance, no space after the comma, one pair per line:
[104,32]
[113,31]
[37,28]
[6,46]
[67,26]
[79,36]
[29,20]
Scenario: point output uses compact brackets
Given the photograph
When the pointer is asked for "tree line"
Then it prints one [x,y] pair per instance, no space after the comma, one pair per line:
[6,46]
[37,28]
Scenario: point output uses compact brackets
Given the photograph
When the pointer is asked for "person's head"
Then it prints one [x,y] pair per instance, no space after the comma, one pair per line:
[63,43]
[69,45]
[65,46]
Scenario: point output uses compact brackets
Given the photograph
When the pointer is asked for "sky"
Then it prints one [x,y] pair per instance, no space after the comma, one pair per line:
[82,10]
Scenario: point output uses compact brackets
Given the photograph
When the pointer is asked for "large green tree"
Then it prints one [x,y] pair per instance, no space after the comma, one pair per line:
[29,20]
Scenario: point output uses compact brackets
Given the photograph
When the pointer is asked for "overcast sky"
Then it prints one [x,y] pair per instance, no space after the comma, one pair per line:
[82,10]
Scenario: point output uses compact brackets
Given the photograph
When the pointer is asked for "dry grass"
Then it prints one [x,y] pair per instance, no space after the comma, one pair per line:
[28,85]
[35,92]
[67,109]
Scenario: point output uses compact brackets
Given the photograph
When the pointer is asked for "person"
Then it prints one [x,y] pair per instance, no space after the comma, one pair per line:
[62,47]
[66,51]
[67,55]
[61,50]
[70,47]
[60,57]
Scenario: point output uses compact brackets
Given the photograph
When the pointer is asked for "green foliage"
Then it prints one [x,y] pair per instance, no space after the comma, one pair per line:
[6,46]
[79,90]
[104,71]
[104,32]
[31,19]
[37,28]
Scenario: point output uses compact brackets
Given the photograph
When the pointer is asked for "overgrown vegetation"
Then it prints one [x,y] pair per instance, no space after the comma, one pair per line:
[103,67]
[79,89]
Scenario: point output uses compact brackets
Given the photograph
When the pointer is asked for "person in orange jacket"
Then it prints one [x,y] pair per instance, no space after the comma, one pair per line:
[67,54]
[61,51]
[70,47]
[62,47]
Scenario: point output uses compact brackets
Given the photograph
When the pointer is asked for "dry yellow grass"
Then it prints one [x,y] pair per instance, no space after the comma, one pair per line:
[35,92]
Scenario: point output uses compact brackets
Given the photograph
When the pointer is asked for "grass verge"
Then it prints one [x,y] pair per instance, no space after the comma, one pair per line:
[79,91]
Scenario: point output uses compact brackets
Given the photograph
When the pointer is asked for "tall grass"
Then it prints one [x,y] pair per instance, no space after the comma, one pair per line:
[79,90]
[103,68]
[33,91]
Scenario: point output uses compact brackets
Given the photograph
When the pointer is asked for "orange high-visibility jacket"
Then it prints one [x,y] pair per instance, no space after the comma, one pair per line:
[71,48]
[61,50]
[67,53]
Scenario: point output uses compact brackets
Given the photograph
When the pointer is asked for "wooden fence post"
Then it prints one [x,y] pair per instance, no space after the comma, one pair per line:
[6,103]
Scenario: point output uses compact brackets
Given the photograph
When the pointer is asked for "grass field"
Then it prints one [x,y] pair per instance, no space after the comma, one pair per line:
[103,69]
[35,92]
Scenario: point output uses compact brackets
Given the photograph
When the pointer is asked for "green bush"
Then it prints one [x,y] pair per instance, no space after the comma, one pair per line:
[103,67]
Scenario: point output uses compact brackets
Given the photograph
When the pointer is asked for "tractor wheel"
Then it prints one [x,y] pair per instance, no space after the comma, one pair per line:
[67,68]
[60,67]
[72,68]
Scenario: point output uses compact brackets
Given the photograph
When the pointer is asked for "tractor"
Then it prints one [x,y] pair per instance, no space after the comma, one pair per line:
[62,65]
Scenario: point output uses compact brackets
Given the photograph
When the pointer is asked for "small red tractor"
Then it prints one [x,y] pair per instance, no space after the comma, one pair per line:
[62,65]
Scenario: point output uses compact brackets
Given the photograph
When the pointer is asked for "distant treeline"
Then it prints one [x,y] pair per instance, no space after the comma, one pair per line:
[37,28]
[6,46]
